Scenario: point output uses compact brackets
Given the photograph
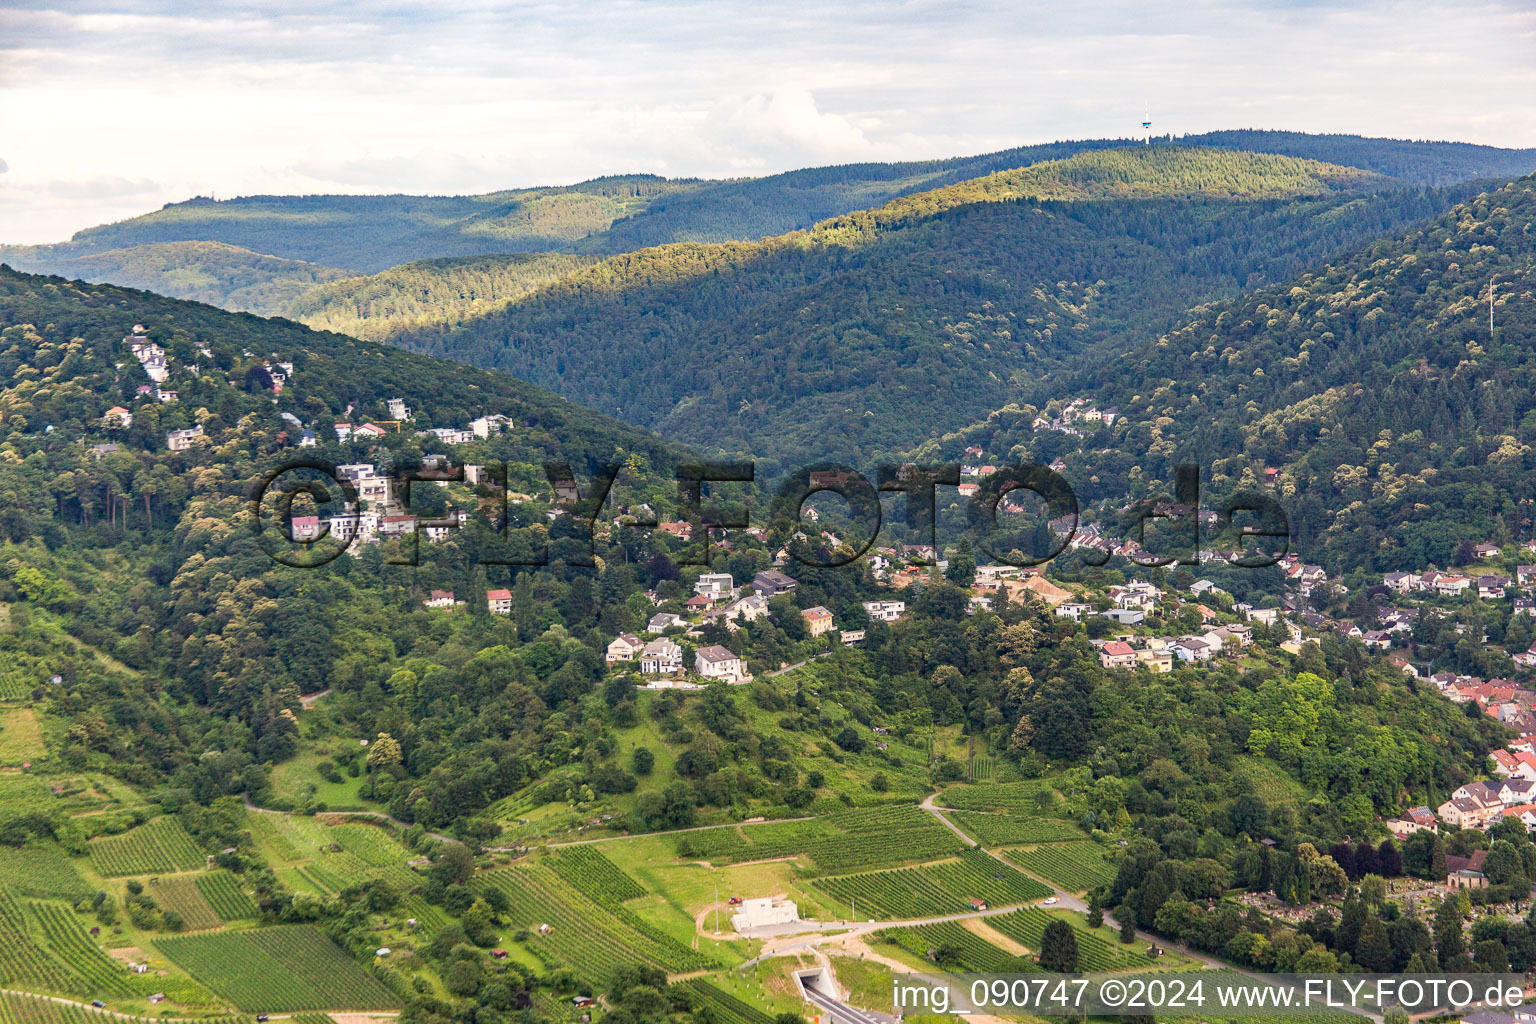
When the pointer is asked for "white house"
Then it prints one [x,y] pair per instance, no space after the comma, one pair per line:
[624,648]
[181,440]
[661,657]
[717,586]
[716,662]
[884,611]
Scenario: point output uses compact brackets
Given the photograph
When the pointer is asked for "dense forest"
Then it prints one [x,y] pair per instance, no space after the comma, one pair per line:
[1399,428]
[876,330]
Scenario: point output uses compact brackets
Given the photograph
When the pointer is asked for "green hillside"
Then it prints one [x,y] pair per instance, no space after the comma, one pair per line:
[877,329]
[213,272]
[1401,430]
[428,292]
[240,774]
[193,250]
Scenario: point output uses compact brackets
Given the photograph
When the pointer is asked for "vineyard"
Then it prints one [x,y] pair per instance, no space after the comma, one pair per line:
[181,894]
[222,891]
[849,840]
[585,936]
[983,769]
[724,1008]
[20,1009]
[993,829]
[1076,866]
[595,875]
[1095,953]
[41,870]
[23,961]
[160,846]
[278,969]
[371,844]
[68,940]
[970,953]
[933,889]
[1001,796]
[429,918]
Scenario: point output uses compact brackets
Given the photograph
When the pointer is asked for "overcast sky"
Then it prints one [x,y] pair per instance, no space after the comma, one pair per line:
[109,109]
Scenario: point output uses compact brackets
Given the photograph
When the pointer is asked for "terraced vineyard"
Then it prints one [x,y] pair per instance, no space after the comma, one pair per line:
[595,875]
[181,894]
[1076,866]
[278,969]
[975,955]
[221,889]
[933,889]
[42,871]
[22,961]
[847,841]
[588,937]
[265,831]
[67,938]
[1094,952]
[724,1008]
[160,846]
[994,829]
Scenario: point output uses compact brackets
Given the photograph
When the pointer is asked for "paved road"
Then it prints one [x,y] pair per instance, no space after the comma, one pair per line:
[842,1012]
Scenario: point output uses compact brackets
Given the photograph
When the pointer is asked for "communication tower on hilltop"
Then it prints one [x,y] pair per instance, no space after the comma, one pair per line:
[1146,124]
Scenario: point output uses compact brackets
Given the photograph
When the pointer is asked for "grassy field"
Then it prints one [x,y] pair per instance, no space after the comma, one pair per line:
[1076,866]
[21,736]
[160,845]
[933,889]
[278,969]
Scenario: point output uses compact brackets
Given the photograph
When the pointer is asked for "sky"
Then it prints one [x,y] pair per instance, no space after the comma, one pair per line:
[111,109]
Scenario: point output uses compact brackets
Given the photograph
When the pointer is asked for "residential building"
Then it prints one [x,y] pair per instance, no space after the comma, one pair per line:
[663,621]
[1117,654]
[884,611]
[717,586]
[716,662]
[772,582]
[817,620]
[181,440]
[440,599]
[661,657]
[624,648]
[499,601]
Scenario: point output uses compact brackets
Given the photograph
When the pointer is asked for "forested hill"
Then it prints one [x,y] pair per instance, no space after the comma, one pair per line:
[1424,163]
[877,329]
[64,364]
[1400,429]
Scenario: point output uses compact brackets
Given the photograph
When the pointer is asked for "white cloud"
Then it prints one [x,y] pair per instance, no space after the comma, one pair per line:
[174,99]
